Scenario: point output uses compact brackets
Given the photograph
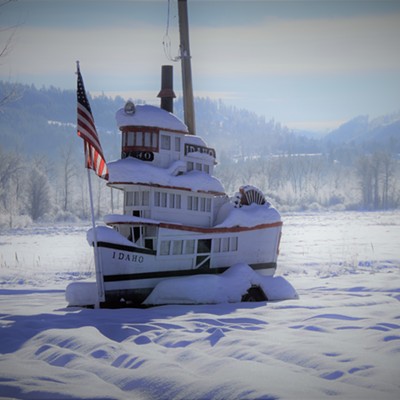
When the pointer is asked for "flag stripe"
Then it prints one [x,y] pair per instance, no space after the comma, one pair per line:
[86,129]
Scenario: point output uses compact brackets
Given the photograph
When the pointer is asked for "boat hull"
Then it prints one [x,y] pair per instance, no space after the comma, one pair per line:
[130,273]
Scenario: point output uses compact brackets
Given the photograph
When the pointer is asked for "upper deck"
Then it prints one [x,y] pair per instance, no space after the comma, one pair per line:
[158,137]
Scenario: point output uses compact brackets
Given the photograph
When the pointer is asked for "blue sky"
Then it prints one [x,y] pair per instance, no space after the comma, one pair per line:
[307,64]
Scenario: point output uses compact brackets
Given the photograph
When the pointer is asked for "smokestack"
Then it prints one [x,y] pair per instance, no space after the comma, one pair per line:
[167,93]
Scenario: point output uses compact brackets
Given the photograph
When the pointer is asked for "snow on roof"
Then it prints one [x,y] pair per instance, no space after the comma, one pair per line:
[196,140]
[247,216]
[132,170]
[147,115]
[106,234]
[123,219]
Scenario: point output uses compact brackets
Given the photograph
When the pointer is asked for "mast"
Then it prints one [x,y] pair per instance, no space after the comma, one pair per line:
[188,102]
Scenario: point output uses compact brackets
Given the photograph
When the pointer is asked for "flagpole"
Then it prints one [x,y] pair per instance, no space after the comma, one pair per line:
[94,159]
[97,261]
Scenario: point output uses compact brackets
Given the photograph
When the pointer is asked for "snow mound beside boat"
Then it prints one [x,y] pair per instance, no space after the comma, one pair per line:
[81,294]
[228,287]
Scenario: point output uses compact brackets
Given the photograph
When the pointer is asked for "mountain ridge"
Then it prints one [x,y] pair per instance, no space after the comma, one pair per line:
[42,120]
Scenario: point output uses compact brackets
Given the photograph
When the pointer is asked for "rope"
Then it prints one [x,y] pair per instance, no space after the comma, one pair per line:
[167,40]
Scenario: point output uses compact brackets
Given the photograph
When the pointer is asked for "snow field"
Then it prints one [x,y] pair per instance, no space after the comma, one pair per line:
[339,340]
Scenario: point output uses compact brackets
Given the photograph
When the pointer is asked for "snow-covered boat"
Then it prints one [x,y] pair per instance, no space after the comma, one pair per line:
[177,219]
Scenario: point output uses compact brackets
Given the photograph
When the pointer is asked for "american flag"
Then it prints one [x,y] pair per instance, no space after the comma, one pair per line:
[94,157]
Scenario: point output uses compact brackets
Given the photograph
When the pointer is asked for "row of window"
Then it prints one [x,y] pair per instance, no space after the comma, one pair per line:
[137,198]
[195,203]
[142,139]
[179,247]
[198,166]
[176,247]
[222,245]
[149,140]
[166,143]
[167,200]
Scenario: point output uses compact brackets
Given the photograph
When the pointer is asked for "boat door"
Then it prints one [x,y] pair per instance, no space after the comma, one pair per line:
[203,254]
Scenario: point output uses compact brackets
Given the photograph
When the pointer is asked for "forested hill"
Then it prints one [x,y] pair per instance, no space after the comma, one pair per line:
[42,173]
[42,121]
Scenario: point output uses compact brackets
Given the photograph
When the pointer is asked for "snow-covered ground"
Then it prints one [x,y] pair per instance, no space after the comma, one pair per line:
[339,340]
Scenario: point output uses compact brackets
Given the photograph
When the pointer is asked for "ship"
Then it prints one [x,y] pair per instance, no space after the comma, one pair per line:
[177,219]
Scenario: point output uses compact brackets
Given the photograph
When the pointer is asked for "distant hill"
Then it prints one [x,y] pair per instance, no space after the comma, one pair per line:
[383,131]
[42,121]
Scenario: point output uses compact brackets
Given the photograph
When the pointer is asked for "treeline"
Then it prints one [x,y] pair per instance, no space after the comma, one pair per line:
[300,182]
[41,158]
[38,189]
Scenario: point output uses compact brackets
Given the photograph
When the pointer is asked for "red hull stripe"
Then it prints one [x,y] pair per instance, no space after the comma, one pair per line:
[198,229]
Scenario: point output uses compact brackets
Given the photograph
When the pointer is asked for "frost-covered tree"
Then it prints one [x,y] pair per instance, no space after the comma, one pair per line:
[11,185]
[38,194]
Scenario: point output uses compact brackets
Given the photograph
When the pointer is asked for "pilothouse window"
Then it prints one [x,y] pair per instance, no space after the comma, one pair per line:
[145,140]
[165,142]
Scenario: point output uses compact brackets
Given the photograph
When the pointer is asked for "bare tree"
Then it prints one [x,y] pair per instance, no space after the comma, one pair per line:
[5,48]
[38,198]
[11,168]
[68,174]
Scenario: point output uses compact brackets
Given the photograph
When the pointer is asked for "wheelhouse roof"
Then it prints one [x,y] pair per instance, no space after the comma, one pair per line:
[150,116]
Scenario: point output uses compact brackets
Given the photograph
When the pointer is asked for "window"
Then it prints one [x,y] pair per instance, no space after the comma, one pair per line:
[234,243]
[177,247]
[164,247]
[129,199]
[163,200]
[189,166]
[157,196]
[154,140]
[189,247]
[139,139]
[171,200]
[178,201]
[147,139]
[177,144]
[203,204]
[195,203]
[198,166]
[165,142]
[207,168]
[217,245]
[136,199]
[225,244]
[145,198]
[130,139]
[204,246]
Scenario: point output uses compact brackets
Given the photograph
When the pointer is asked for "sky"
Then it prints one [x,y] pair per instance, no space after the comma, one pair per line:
[306,64]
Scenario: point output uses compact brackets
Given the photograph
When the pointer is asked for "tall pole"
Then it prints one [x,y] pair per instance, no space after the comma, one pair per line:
[188,102]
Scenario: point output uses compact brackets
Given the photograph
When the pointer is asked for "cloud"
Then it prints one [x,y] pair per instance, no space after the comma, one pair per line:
[274,47]
[108,51]
[306,46]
